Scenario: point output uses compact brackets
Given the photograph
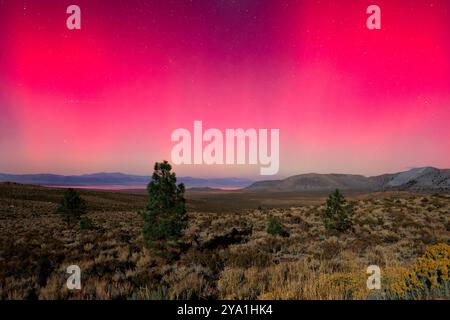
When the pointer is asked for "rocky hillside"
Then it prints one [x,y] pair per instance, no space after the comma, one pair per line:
[426,179]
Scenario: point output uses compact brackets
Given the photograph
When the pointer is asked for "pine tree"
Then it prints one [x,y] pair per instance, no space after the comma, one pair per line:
[165,216]
[72,206]
[337,214]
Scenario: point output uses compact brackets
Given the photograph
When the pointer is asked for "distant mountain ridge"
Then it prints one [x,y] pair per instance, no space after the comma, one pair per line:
[116,179]
[427,179]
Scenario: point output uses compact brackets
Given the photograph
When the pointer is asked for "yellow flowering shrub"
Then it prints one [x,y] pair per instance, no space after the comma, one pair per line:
[430,277]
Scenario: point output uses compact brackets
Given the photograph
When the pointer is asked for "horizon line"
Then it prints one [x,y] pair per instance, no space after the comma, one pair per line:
[231,177]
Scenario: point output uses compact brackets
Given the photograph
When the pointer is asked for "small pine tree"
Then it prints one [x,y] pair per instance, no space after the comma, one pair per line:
[72,206]
[337,214]
[165,217]
[276,228]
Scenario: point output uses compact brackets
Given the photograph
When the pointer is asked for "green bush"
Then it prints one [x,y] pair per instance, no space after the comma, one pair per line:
[72,206]
[165,217]
[275,228]
[338,213]
[86,223]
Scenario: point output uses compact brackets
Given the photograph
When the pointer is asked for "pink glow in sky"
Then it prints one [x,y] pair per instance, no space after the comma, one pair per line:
[107,97]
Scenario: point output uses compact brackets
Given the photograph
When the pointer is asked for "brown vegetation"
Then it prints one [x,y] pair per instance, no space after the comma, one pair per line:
[225,254]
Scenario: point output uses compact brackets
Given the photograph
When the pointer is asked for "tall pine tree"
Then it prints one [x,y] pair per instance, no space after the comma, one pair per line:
[165,216]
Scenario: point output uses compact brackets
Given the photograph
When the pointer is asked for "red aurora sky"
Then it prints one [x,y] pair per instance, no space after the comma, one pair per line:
[107,97]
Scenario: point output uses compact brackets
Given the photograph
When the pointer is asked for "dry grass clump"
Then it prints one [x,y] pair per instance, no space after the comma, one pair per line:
[302,279]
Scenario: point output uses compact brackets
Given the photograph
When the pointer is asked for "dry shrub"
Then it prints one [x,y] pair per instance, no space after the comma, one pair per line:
[296,280]
[186,283]
[244,257]
[331,248]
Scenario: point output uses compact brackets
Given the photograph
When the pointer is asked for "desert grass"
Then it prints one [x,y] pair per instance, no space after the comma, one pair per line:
[390,230]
